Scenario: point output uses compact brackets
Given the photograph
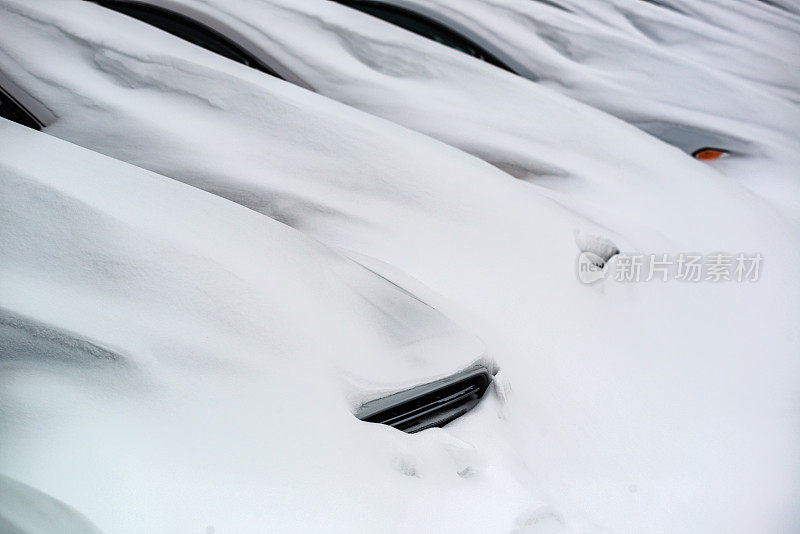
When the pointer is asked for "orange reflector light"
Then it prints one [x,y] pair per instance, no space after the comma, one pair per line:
[707,154]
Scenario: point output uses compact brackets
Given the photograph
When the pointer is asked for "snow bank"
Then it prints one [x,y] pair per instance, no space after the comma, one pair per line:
[619,407]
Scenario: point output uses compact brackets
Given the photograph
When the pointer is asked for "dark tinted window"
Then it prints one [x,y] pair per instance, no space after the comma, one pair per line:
[11,110]
[188,30]
[425,27]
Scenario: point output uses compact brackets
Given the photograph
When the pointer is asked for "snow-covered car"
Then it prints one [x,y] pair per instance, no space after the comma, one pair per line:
[337,52]
[712,78]
[123,285]
[375,67]
[359,60]
[459,373]
[141,95]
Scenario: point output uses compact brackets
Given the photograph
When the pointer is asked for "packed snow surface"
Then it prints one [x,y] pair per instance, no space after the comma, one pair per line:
[649,407]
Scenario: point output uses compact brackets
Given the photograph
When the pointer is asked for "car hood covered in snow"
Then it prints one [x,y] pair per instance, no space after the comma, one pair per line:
[91,234]
[122,285]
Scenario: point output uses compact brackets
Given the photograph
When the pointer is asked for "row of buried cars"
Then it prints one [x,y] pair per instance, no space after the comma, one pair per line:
[203,204]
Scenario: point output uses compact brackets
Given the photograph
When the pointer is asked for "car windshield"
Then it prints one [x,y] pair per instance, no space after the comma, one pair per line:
[425,27]
[10,109]
[188,30]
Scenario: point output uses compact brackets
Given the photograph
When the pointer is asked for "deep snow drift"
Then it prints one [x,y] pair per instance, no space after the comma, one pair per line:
[620,406]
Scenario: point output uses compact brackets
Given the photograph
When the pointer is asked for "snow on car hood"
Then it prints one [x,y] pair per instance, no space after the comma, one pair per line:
[695,74]
[105,241]
[123,287]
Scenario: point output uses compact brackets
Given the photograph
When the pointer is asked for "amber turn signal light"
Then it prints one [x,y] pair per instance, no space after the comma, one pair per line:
[707,154]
